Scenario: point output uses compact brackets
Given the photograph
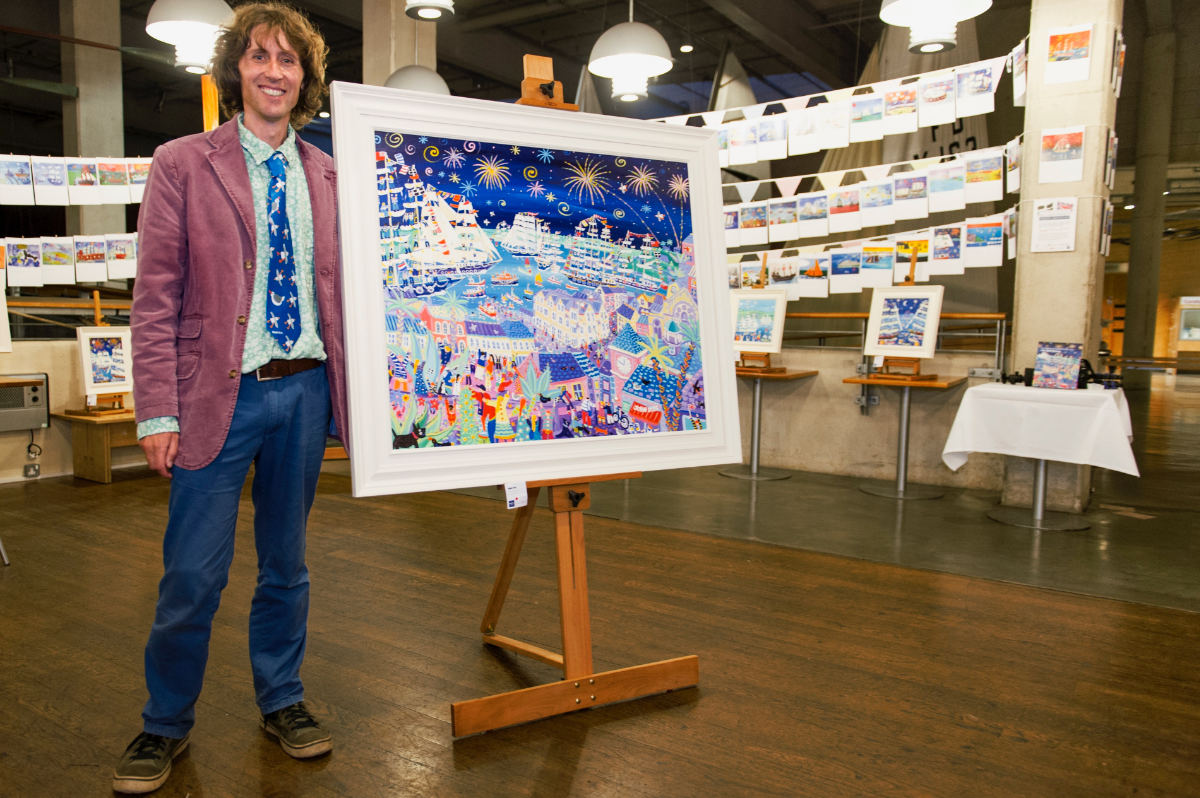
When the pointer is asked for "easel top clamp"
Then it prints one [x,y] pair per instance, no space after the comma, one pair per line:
[582,687]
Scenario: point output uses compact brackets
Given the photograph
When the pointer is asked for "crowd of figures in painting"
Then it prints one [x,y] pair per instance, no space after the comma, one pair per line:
[535,294]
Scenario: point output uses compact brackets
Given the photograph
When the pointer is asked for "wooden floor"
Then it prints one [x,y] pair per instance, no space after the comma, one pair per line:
[820,675]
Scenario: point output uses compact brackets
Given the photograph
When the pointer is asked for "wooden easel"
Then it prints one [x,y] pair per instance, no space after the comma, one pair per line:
[581,686]
[107,404]
[904,369]
[759,362]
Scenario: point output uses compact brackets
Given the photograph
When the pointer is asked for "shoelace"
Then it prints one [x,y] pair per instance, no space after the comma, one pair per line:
[297,717]
[148,746]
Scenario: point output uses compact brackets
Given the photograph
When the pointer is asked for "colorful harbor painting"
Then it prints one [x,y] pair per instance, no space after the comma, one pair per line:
[534,294]
[903,322]
[107,360]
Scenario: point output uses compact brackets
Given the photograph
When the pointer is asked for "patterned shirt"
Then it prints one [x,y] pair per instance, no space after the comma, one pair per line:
[260,346]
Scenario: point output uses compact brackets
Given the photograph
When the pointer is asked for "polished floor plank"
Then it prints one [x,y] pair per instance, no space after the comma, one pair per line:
[820,674]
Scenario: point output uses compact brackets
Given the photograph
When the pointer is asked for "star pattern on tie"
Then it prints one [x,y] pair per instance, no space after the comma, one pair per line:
[282,289]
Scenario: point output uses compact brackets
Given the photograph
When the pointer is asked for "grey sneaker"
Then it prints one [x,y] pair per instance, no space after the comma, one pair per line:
[146,763]
[297,731]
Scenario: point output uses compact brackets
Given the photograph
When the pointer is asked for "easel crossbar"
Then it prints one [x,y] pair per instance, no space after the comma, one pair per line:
[558,698]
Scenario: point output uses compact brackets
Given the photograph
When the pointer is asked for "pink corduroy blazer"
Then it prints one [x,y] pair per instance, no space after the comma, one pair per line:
[191,299]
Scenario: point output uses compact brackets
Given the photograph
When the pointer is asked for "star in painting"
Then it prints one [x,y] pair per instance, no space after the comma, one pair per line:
[489,202]
[441,174]
[469,189]
[424,139]
[454,158]
[491,213]
[515,150]
[536,189]
[660,216]
[623,188]
[454,178]
[550,197]
[645,208]
[545,156]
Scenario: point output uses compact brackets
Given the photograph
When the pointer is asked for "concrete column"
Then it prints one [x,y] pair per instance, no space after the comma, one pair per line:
[1156,91]
[94,122]
[1058,296]
[391,40]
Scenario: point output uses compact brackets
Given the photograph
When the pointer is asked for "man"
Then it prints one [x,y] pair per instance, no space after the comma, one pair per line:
[238,331]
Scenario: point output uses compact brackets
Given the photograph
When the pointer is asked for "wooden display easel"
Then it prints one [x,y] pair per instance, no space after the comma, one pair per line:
[759,362]
[107,404]
[904,369]
[581,686]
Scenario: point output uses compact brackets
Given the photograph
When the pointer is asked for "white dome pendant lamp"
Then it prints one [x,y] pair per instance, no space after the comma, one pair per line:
[192,26]
[932,24]
[630,53]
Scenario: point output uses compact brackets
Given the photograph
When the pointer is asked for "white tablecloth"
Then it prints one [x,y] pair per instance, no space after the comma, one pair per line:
[1088,427]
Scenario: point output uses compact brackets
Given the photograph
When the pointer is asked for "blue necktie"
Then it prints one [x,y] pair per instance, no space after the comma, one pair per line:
[283,313]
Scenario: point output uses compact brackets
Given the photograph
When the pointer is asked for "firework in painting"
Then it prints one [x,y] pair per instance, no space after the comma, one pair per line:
[534,294]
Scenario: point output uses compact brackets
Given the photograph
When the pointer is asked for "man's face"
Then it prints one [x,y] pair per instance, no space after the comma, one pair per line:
[271,76]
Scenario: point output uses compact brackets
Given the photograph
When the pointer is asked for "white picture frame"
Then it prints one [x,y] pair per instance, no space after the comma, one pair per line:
[105,360]
[370,121]
[758,316]
[904,321]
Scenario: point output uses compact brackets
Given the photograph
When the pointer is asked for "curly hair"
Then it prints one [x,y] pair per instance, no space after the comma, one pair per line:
[301,34]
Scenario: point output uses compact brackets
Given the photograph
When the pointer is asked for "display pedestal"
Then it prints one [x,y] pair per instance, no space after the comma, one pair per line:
[1038,517]
[901,489]
[581,687]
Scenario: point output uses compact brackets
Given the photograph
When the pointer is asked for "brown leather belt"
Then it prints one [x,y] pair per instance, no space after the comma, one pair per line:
[276,369]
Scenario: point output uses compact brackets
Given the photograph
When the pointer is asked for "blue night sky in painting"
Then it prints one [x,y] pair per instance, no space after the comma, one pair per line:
[535,294]
[562,187]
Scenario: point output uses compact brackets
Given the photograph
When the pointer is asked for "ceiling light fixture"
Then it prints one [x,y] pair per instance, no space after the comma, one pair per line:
[686,48]
[932,24]
[630,53]
[415,77]
[192,26]
[428,9]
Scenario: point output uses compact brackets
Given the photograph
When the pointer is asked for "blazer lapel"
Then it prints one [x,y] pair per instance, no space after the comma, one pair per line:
[322,188]
[229,165]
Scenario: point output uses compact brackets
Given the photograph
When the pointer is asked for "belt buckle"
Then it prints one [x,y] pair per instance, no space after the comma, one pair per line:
[259,376]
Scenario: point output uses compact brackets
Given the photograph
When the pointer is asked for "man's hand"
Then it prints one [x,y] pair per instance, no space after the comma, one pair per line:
[160,450]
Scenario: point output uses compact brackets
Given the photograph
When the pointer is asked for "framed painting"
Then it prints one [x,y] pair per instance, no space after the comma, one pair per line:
[529,293]
[904,321]
[106,360]
[758,317]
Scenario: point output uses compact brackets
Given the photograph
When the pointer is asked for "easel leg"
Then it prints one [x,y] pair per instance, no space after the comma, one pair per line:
[572,585]
[512,553]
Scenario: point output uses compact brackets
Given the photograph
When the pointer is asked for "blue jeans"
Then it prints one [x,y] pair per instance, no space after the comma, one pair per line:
[279,426]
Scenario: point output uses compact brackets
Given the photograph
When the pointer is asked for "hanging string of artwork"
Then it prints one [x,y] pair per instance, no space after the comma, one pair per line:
[45,180]
[850,266]
[67,260]
[886,194]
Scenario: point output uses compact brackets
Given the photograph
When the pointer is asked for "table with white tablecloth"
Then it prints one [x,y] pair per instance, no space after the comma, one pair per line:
[1086,427]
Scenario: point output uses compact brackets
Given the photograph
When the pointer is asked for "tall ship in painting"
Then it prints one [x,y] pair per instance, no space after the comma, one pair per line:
[638,260]
[429,238]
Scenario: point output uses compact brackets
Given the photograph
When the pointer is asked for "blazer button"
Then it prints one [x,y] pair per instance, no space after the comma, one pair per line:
[249,264]
[241,319]
[233,374]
